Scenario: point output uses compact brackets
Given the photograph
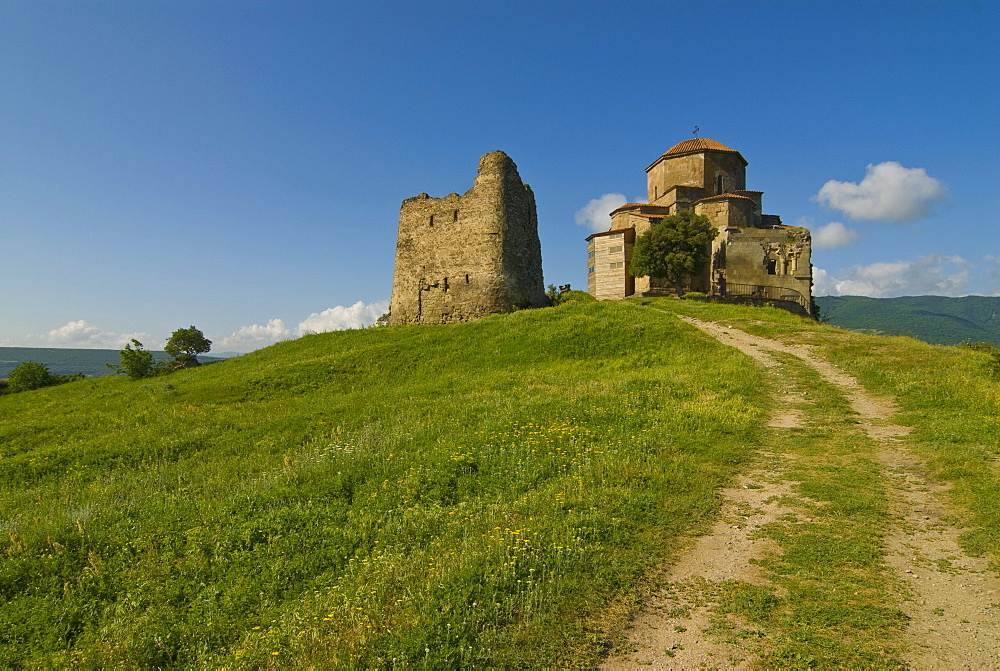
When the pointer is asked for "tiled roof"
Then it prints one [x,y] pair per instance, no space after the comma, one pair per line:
[727,196]
[695,145]
[613,230]
[629,206]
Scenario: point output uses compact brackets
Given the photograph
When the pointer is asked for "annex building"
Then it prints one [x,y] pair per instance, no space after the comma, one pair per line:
[754,258]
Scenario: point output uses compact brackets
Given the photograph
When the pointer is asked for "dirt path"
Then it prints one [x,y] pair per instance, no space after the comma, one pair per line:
[954,601]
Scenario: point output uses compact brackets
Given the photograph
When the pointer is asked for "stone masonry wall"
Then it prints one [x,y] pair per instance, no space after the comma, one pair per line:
[464,257]
[775,257]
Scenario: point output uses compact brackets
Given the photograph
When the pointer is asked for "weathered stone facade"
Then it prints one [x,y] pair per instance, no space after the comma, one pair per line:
[464,257]
[754,256]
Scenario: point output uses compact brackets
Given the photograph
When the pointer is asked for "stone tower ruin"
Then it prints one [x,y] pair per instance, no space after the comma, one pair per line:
[464,257]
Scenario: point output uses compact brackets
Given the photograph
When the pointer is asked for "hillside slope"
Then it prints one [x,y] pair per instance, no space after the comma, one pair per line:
[439,495]
[500,493]
[939,320]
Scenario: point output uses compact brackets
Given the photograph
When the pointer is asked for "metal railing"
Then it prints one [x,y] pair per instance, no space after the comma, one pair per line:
[763,292]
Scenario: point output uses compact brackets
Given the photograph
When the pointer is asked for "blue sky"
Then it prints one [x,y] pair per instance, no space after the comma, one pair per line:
[239,165]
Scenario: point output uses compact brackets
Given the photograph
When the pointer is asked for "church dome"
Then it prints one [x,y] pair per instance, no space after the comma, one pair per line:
[697,144]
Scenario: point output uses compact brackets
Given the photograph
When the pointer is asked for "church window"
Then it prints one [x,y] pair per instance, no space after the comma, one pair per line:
[617,265]
[718,184]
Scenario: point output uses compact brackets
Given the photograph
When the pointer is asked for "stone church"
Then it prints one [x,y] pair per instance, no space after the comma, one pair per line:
[754,258]
[464,257]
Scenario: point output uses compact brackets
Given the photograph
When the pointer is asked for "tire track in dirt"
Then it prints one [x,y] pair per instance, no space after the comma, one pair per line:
[671,631]
[954,600]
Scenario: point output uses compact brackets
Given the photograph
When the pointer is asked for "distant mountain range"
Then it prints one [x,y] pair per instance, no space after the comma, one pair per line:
[64,361]
[939,320]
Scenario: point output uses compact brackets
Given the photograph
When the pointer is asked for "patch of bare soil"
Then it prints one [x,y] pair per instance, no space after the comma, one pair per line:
[954,604]
[673,632]
[954,600]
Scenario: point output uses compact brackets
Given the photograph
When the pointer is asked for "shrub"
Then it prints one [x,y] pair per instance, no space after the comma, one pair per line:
[986,347]
[135,363]
[816,311]
[558,296]
[63,379]
[30,375]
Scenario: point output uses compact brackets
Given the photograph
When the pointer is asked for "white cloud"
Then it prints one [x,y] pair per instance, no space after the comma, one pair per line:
[823,284]
[340,318]
[933,274]
[80,335]
[595,213]
[255,336]
[889,192]
[833,236]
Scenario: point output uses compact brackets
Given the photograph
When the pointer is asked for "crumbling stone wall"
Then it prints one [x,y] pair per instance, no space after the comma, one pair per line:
[466,256]
[774,257]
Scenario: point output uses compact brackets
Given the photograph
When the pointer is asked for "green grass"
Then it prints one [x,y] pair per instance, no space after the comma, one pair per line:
[949,395]
[838,605]
[498,493]
[476,494]
[841,608]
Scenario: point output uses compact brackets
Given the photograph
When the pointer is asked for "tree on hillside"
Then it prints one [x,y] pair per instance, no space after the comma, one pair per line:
[135,363]
[30,375]
[675,248]
[185,345]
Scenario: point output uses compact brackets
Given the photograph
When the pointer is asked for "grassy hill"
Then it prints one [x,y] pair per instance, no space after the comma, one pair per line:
[67,361]
[496,493]
[939,320]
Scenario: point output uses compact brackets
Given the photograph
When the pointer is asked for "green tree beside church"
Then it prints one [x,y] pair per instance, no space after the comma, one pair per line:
[675,248]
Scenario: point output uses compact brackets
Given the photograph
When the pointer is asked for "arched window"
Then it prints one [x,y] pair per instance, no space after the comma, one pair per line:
[718,185]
